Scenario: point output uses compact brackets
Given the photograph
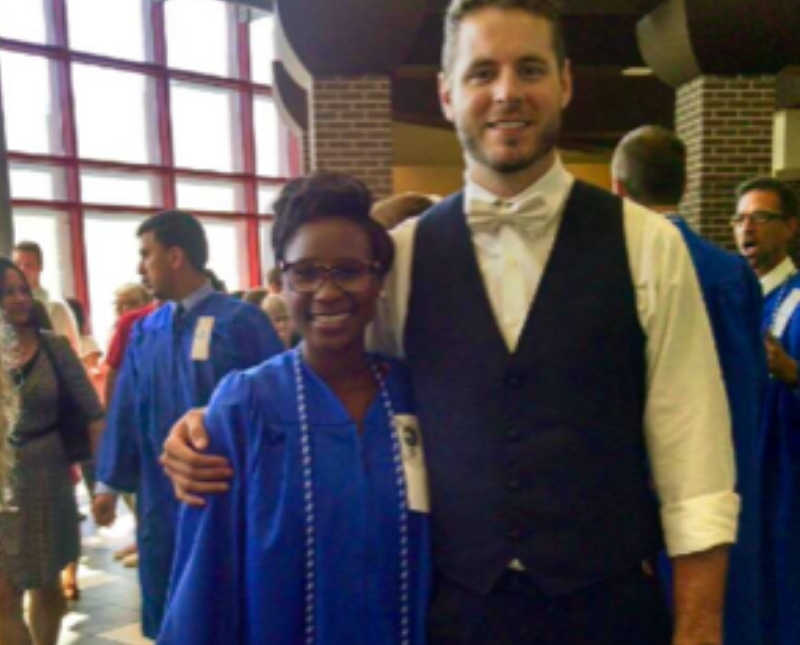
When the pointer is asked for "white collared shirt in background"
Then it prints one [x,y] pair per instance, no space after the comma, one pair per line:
[687,421]
[777,275]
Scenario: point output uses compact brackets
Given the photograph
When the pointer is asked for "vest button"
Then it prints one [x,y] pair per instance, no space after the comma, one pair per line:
[513,484]
[514,380]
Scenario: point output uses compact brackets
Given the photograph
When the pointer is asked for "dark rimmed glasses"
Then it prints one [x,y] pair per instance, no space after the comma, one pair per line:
[757,217]
[306,276]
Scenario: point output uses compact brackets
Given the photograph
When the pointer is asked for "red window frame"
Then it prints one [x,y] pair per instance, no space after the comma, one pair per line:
[61,53]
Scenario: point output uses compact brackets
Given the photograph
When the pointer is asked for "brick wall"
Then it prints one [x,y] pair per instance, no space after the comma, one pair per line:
[726,123]
[350,129]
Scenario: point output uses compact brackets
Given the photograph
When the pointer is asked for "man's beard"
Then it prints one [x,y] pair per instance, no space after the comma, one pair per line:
[544,144]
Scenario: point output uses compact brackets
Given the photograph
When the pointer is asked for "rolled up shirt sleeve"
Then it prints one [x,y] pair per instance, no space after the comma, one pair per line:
[687,420]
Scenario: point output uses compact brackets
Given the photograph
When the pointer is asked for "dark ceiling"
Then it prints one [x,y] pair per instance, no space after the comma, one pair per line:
[601,42]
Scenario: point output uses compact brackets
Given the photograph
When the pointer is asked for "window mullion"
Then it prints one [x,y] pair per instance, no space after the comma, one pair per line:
[165,143]
[66,102]
[248,147]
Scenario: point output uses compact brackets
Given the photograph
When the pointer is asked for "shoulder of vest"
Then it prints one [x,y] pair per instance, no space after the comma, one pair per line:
[451,203]
[582,190]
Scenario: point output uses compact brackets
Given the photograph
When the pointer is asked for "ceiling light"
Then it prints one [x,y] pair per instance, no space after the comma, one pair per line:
[637,71]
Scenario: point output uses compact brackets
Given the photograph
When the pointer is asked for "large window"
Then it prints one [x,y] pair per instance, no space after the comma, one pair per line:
[115,110]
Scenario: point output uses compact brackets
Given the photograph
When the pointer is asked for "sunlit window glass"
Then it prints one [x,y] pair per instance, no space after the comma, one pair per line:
[209,195]
[34,181]
[128,189]
[198,36]
[262,49]
[203,127]
[109,265]
[31,118]
[49,230]
[112,115]
[226,239]
[108,27]
[267,194]
[23,20]
[268,145]
[267,256]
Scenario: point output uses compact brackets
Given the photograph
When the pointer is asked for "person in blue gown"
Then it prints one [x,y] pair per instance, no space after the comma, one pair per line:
[649,166]
[764,226]
[323,535]
[175,358]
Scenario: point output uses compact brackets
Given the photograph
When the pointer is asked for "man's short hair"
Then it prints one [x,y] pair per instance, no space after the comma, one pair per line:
[178,228]
[650,161]
[787,196]
[458,9]
[31,247]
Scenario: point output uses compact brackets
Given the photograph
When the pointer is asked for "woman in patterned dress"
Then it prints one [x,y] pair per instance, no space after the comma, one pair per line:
[43,535]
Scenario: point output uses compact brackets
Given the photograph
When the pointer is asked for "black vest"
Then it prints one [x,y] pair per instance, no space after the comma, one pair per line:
[537,455]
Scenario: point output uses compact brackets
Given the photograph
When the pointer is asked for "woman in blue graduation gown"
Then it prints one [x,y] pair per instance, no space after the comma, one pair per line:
[323,536]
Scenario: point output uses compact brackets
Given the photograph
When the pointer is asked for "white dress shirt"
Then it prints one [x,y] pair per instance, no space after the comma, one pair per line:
[686,421]
[777,275]
[61,317]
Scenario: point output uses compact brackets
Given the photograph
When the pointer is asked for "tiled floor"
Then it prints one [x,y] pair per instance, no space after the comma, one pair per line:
[108,609]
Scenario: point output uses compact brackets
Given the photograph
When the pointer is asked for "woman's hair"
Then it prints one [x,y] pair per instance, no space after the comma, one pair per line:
[40,319]
[323,195]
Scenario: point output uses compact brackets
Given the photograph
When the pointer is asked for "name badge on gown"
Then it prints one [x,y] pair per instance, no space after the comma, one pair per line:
[784,313]
[201,343]
[413,454]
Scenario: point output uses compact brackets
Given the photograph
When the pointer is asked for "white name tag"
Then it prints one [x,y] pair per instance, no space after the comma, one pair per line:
[201,343]
[784,313]
[410,439]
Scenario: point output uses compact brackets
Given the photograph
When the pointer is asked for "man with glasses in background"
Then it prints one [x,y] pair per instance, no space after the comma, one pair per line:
[764,225]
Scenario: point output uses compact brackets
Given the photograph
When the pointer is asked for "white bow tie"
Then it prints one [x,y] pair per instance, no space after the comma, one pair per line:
[525,215]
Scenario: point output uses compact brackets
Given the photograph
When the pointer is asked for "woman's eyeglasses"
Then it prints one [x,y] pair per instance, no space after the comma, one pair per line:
[306,276]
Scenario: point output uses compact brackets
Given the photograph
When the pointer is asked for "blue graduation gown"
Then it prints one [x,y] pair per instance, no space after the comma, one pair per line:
[158,382]
[732,296]
[239,563]
[733,300]
[780,455]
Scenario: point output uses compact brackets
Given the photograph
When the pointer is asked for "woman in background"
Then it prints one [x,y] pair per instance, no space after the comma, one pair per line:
[42,490]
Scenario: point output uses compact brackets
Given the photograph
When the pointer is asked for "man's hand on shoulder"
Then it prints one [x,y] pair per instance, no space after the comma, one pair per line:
[190,471]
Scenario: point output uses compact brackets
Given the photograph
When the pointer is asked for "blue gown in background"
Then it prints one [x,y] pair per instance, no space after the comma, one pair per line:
[780,456]
[732,295]
[239,563]
[158,382]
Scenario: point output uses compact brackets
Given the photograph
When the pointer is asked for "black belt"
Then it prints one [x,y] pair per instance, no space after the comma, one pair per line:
[20,440]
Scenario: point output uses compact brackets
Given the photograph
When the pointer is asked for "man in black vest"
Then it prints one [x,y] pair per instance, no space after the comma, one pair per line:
[563,361]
